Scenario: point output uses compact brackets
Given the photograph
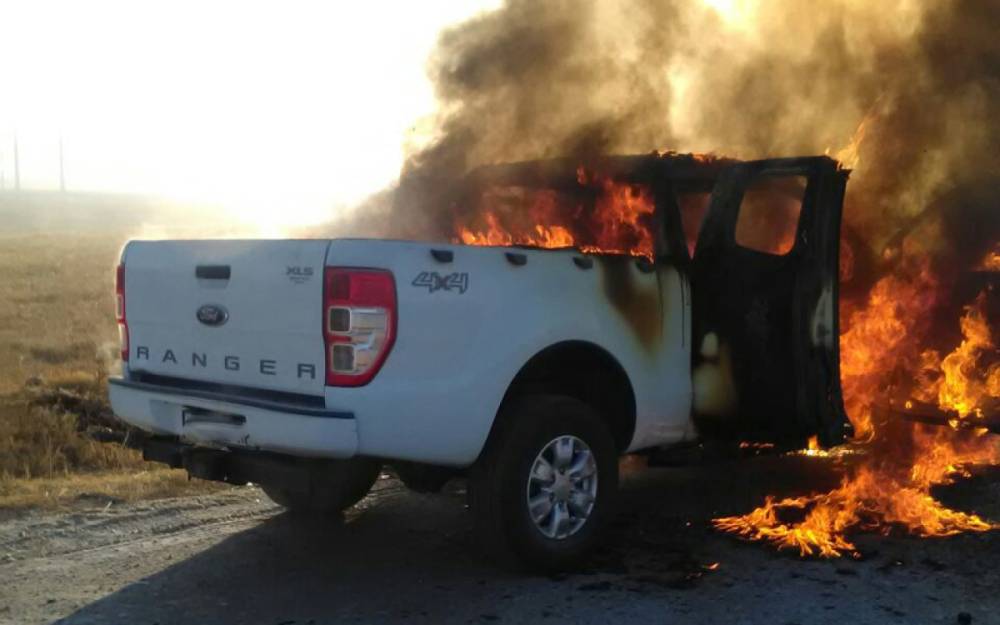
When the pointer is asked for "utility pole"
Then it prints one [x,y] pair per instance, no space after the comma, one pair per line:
[17,168]
[62,169]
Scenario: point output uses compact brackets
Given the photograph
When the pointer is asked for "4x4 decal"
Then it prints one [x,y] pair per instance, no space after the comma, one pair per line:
[434,281]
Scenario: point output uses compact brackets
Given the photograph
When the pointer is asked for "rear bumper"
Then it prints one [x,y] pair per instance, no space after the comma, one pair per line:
[248,423]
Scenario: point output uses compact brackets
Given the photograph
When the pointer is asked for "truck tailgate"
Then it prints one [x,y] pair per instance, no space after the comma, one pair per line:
[237,313]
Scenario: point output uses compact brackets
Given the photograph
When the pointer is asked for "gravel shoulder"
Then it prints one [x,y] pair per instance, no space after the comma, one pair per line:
[234,557]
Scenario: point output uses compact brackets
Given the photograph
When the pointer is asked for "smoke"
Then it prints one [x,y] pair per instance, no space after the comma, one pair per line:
[579,77]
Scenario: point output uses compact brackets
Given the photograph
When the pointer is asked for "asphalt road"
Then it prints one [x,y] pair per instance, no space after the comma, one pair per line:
[401,557]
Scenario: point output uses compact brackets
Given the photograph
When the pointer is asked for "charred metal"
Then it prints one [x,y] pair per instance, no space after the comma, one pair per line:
[765,355]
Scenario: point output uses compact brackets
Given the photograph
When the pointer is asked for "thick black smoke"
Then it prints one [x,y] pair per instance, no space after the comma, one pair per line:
[579,77]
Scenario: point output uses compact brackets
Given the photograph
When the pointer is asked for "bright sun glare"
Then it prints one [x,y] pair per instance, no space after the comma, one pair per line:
[282,112]
[732,11]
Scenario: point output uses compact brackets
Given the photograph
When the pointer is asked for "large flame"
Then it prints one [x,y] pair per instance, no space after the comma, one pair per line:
[603,216]
[963,389]
[878,340]
[890,487]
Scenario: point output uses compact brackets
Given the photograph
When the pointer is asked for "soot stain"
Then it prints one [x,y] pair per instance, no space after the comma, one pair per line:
[639,307]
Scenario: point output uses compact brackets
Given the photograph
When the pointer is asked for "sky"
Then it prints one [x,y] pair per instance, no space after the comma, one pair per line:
[275,110]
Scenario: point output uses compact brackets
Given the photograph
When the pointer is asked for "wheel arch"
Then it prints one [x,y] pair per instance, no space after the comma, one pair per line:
[583,370]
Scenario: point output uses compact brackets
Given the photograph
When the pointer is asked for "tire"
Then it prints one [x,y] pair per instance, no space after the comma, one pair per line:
[501,483]
[423,478]
[333,486]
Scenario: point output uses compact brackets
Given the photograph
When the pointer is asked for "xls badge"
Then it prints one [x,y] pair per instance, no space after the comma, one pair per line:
[299,275]
[433,281]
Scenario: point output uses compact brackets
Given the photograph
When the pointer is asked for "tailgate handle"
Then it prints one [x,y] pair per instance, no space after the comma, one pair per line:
[212,272]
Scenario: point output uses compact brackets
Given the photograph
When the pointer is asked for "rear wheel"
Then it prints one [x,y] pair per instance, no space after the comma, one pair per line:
[333,487]
[545,486]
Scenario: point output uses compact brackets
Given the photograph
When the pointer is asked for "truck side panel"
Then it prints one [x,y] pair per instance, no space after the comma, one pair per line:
[466,327]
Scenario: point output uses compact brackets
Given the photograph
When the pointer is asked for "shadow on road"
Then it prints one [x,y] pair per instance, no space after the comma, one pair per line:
[404,556]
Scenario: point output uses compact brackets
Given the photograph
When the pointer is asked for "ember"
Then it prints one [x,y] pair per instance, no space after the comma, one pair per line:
[992,260]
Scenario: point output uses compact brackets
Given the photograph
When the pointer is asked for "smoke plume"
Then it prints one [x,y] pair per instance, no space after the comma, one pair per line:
[914,85]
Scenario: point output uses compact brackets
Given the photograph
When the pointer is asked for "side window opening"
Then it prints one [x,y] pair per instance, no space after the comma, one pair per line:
[769,213]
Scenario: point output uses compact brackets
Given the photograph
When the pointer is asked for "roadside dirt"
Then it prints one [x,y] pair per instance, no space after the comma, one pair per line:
[234,557]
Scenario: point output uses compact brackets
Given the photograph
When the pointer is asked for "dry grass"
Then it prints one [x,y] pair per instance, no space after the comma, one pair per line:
[56,306]
[150,482]
[49,458]
[58,341]
[44,442]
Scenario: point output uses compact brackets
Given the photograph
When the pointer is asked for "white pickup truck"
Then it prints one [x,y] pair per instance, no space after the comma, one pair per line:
[304,365]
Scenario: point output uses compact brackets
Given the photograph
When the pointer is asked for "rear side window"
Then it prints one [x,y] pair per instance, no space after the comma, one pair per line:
[769,214]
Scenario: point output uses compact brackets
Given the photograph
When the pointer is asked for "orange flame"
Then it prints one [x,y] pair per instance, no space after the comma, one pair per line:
[614,221]
[878,338]
[962,390]
[876,496]
[850,155]
[992,260]
[891,486]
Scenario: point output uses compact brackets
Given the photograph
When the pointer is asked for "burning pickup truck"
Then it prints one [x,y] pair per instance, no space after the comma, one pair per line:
[681,299]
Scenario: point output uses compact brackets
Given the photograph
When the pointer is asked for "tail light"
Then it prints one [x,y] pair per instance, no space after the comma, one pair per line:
[359,323]
[120,310]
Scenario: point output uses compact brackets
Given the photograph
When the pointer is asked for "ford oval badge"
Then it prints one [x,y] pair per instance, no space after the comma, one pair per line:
[212,315]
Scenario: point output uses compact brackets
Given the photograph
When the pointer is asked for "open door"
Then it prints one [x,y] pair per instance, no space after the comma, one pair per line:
[764,297]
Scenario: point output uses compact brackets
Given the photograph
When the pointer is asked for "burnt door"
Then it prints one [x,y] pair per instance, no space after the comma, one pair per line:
[764,298]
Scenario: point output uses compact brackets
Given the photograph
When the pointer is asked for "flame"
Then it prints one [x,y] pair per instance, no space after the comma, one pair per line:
[992,260]
[495,234]
[877,340]
[903,461]
[609,217]
[850,155]
[813,448]
[962,390]
[618,212]
[877,495]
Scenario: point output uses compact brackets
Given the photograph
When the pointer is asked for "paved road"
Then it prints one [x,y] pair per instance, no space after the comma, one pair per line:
[400,557]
